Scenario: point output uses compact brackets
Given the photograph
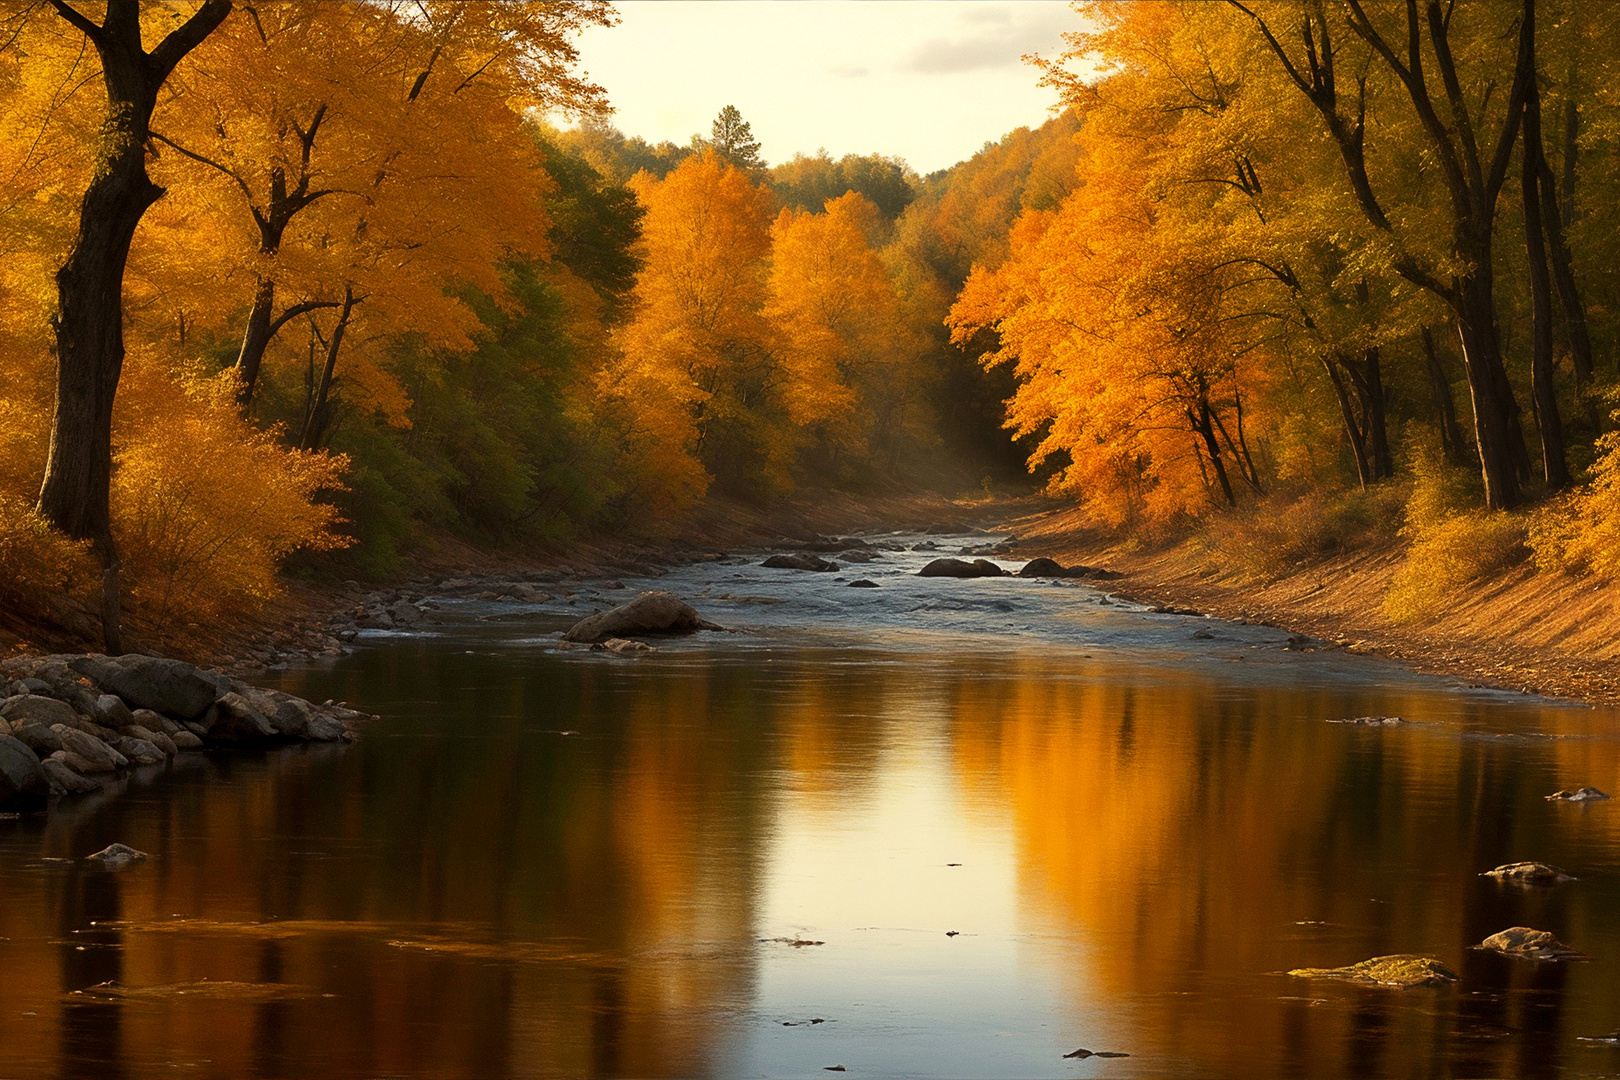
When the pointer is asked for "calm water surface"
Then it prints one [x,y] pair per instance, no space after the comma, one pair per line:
[969,826]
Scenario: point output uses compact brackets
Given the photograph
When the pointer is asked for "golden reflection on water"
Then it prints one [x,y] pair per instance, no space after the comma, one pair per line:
[469,891]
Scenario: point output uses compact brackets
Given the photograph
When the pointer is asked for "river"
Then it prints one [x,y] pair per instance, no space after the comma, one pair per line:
[934,828]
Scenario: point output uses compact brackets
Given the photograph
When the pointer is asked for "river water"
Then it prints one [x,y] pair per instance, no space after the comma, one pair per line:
[935,828]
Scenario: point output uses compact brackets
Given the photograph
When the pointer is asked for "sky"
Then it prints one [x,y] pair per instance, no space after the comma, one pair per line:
[927,81]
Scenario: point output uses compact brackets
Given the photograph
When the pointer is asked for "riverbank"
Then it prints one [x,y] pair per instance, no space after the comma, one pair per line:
[1539,633]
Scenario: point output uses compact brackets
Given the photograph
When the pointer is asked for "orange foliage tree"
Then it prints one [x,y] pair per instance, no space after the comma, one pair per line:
[698,374]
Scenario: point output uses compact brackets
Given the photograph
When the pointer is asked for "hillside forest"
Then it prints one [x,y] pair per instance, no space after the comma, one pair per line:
[299,286]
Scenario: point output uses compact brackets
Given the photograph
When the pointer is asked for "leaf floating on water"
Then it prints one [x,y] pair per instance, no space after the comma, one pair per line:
[1083,1053]
[953,864]
[833,1068]
[797,943]
[1370,721]
[1403,971]
[953,933]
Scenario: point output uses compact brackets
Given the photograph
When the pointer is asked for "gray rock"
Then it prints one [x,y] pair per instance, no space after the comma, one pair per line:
[35,735]
[44,710]
[233,719]
[654,612]
[1043,568]
[110,711]
[405,613]
[295,718]
[139,751]
[859,556]
[24,787]
[862,583]
[117,855]
[378,620]
[83,766]
[799,560]
[185,740]
[102,758]
[167,686]
[34,686]
[64,781]
[156,738]
[152,721]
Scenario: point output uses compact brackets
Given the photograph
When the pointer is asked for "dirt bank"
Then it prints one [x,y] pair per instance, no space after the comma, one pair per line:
[1550,634]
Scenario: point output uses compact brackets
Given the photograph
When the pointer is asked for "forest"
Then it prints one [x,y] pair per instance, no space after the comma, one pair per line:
[298,286]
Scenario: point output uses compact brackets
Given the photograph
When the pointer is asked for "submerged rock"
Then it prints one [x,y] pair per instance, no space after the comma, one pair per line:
[117,855]
[862,583]
[1530,944]
[799,560]
[1370,721]
[1580,794]
[653,612]
[1403,971]
[958,568]
[622,646]
[1530,873]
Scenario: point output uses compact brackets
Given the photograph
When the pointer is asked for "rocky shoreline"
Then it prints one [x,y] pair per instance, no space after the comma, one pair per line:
[73,723]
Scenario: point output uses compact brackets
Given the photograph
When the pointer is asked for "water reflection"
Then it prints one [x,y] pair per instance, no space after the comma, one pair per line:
[542,865]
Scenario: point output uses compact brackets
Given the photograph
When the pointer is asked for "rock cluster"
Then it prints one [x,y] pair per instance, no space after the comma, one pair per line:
[70,723]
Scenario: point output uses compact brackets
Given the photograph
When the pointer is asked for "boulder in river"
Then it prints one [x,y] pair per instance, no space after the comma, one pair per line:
[799,560]
[1530,873]
[1580,794]
[862,583]
[653,612]
[117,855]
[959,568]
[1043,567]
[1530,944]
[24,787]
[1402,970]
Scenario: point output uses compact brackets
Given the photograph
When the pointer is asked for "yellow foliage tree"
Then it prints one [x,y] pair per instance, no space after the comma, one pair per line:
[697,373]
[843,343]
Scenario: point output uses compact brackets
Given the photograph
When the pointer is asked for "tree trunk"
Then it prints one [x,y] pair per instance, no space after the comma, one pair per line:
[1452,443]
[1352,426]
[1206,430]
[89,322]
[1554,468]
[318,416]
[254,341]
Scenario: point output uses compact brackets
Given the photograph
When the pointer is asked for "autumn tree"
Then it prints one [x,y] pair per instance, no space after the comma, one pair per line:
[89,319]
[843,348]
[698,373]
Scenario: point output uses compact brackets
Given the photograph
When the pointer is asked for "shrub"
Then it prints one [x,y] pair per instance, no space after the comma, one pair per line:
[1447,555]
[1582,530]
[1284,532]
[205,508]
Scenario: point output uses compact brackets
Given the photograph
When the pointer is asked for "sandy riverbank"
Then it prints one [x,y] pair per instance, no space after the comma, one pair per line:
[1549,634]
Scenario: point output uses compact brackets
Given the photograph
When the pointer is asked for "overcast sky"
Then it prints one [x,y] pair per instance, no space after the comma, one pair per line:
[927,81]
